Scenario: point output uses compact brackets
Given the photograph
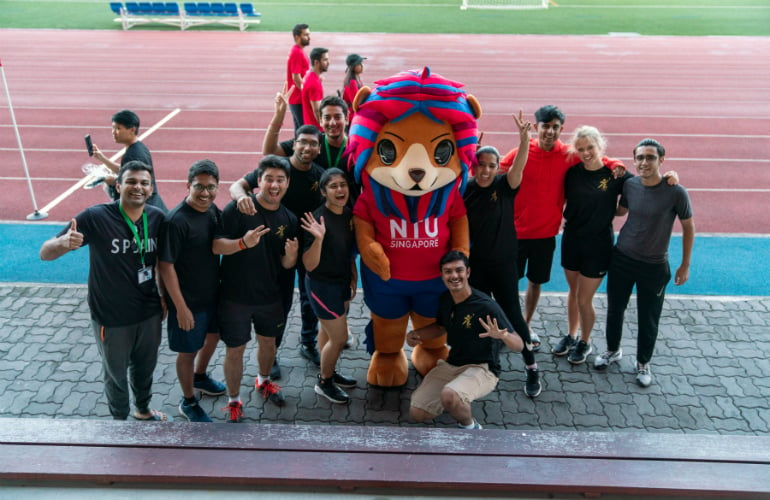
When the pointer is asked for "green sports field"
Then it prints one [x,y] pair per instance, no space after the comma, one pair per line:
[646,17]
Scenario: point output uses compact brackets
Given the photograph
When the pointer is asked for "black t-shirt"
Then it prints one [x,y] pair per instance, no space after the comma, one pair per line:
[591,200]
[185,241]
[252,276]
[115,296]
[304,193]
[490,221]
[461,322]
[337,249]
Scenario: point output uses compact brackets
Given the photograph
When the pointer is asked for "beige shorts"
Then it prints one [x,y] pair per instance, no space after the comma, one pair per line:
[471,382]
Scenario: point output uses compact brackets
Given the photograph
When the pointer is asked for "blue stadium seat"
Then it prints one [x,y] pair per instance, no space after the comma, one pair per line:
[133,8]
[204,8]
[248,10]
[145,8]
[231,9]
[116,6]
[217,9]
[158,8]
[191,8]
[172,8]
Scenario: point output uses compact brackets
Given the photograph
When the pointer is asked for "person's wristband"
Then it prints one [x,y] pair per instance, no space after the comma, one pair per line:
[242,244]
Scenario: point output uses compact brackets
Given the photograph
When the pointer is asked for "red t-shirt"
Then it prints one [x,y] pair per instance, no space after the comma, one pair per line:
[538,206]
[414,249]
[312,90]
[298,63]
[348,94]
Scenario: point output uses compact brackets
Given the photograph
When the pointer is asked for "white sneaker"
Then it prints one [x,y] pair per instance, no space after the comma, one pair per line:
[643,374]
[602,361]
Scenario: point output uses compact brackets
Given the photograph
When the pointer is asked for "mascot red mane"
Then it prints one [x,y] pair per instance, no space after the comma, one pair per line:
[412,143]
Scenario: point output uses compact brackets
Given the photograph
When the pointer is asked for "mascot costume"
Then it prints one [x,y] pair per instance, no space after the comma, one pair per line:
[412,143]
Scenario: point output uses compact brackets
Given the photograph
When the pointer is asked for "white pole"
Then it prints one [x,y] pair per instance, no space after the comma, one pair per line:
[36,215]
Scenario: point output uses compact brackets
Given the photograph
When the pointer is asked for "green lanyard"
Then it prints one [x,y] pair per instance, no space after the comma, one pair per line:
[329,154]
[139,243]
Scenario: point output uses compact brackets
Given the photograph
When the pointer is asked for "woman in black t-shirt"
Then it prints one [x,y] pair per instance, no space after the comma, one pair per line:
[331,278]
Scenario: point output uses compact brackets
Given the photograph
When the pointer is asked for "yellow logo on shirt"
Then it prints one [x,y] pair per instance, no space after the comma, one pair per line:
[604,184]
[281,232]
[467,320]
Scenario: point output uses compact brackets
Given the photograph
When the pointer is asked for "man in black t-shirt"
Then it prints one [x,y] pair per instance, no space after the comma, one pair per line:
[125,128]
[476,329]
[303,195]
[257,248]
[190,272]
[126,309]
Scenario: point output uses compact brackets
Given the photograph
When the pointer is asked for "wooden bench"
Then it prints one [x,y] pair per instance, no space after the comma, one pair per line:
[409,460]
[191,14]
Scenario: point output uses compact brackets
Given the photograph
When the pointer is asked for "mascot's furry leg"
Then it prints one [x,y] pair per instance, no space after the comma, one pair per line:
[426,355]
[388,367]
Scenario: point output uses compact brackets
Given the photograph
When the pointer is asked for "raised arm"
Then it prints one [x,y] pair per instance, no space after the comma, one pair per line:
[240,191]
[520,161]
[59,245]
[270,143]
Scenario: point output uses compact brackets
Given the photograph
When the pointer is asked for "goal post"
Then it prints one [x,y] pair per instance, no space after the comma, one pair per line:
[504,4]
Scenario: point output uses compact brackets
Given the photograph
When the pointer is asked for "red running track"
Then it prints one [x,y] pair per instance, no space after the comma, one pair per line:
[706,99]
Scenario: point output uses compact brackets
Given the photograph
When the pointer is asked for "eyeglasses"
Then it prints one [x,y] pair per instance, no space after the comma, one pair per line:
[306,143]
[649,158]
[201,188]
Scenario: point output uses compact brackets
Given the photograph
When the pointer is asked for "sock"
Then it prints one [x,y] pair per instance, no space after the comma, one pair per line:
[261,380]
[234,399]
[200,376]
[189,401]
[471,426]
[532,366]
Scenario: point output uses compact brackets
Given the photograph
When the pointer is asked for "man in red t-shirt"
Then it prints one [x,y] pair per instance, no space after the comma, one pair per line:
[312,87]
[538,206]
[296,67]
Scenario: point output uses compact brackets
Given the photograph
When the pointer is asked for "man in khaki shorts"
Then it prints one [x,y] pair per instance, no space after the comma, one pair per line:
[476,329]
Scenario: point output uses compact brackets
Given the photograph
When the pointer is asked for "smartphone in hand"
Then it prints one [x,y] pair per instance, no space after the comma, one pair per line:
[89,145]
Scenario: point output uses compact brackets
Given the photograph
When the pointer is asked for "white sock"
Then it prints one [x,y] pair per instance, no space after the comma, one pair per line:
[234,399]
[471,426]
[261,380]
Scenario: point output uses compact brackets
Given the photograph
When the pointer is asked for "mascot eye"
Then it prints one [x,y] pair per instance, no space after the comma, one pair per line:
[387,151]
[444,152]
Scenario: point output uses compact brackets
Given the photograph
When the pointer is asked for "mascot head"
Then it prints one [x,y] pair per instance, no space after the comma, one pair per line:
[415,133]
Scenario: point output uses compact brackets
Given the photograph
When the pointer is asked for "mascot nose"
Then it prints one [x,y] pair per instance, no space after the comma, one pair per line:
[416,174]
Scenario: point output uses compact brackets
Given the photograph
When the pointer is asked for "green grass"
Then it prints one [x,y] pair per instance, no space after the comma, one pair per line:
[646,17]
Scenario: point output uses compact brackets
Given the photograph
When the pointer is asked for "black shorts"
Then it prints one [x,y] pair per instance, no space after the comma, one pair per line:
[190,341]
[589,256]
[236,320]
[327,299]
[536,256]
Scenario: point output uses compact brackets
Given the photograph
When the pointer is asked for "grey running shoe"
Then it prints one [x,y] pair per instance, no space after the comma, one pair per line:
[564,346]
[643,374]
[234,412]
[193,412]
[580,353]
[271,392]
[476,425]
[603,361]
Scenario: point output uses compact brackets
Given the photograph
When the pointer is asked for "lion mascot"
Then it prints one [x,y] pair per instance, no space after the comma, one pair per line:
[412,143]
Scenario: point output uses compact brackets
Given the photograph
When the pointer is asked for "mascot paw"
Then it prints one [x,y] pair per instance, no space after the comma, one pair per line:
[425,359]
[388,369]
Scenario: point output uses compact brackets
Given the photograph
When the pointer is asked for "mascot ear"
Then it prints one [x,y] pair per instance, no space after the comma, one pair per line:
[361,96]
[474,104]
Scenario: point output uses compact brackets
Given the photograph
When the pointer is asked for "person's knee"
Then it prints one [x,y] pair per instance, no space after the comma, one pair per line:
[449,398]
[419,415]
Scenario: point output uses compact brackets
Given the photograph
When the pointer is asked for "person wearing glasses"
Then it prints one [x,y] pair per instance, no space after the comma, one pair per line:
[640,256]
[303,195]
[190,272]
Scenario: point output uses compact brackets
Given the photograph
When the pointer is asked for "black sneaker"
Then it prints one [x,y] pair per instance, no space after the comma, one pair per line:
[193,411]
[310,352]
[328,389]
[209,386]
[275,371]
[580,353]
[271,392]
[564,346]
[532,388]
[343,381]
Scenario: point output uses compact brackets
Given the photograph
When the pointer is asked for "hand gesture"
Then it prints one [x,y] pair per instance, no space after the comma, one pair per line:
[314,227]
[619,171]
[98,154]
[246,206]
[252,237]
[72,239]
[671,177]
[291,248]
[282,99]
[413,338]
[523,125]
[491,328]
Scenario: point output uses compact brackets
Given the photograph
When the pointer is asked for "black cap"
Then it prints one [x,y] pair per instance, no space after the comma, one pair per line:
[354,60]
